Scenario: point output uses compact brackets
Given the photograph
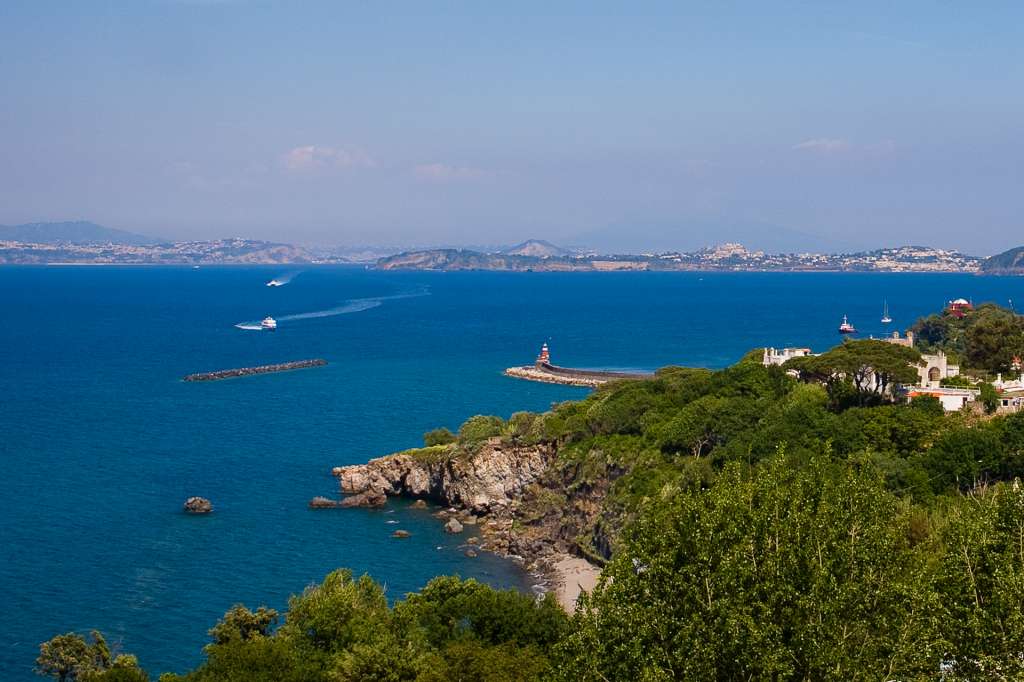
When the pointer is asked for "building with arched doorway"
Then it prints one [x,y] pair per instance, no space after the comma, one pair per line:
[934,368]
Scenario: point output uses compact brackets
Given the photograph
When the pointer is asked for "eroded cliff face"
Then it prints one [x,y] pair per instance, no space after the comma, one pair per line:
[489,479]
[528,502]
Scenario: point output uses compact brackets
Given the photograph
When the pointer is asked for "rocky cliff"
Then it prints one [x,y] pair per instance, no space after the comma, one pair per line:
[484,481]
[526,501]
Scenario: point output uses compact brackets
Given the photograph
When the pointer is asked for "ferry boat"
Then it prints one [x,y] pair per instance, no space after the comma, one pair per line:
[846,327]
[268,323]
[885,313]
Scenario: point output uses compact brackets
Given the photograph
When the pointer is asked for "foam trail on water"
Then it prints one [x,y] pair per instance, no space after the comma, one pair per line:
[281,280]
[355,305]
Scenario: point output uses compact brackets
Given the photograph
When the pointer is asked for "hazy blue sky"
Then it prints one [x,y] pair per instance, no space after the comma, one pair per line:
[849,123]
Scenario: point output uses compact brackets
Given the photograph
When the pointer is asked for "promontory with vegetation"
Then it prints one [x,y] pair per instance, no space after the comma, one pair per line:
[1006,263]
[794,522]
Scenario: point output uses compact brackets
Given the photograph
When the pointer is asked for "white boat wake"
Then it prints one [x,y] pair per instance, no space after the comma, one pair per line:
[355,305]
[281,280]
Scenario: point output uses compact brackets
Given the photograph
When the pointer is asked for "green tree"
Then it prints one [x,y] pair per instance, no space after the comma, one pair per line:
[479,428]
[525,427]
[69,657]
[962,457]
[339,612]
[986,339]
[994,336]
[441,436]
[989,398]
[873,367]
[239,623]
[981,582]
[64,657]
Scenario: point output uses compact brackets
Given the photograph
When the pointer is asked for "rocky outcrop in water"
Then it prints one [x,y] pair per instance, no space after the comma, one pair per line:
[320,502]
[366,498]
[484,481]
[198,505]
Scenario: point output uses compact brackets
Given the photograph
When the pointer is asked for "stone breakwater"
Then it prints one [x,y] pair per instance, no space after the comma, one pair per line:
[552,374]
[262,369]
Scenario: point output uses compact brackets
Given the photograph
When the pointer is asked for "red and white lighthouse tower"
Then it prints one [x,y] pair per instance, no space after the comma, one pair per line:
[545,356]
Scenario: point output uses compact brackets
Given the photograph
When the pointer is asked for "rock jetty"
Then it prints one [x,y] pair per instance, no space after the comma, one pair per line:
[262,369]
[552,374]
[198,505]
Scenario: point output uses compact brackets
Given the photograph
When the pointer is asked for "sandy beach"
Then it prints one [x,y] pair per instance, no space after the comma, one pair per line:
[573,575]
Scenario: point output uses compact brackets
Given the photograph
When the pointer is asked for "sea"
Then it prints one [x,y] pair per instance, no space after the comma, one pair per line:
[101,441]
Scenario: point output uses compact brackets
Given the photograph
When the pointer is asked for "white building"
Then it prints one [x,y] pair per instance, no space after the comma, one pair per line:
[952,399]
[935,367]
[778,356]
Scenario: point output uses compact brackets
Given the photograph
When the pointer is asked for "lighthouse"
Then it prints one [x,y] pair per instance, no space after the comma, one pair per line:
[545,356]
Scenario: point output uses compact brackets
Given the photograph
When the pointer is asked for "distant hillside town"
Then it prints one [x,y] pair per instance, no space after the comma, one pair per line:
[724,257]
[219,251]
[87,243]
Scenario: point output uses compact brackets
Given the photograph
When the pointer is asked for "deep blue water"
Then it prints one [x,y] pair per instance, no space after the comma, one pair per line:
[101,442]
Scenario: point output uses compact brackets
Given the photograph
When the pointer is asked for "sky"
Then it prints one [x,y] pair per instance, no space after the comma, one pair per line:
[630,126]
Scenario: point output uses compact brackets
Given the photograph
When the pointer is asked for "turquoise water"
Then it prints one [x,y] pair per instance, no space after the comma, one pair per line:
[102,442]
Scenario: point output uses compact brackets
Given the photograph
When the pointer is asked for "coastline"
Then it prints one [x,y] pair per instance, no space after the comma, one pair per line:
[484,495]
[572,576]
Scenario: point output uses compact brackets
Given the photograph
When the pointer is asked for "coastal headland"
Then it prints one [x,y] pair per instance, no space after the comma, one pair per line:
[262,369]
[487,492]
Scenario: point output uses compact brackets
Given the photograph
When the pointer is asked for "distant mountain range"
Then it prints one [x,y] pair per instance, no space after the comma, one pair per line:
[74,232]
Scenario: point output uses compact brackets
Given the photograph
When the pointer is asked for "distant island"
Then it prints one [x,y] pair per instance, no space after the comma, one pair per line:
[724,257]
[88,243]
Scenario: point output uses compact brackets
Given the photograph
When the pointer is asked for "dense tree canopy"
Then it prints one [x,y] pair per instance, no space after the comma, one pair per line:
[344,630]
[986,339]
[813,573]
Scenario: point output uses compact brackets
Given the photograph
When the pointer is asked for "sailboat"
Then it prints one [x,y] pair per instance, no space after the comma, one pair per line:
[885,313]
